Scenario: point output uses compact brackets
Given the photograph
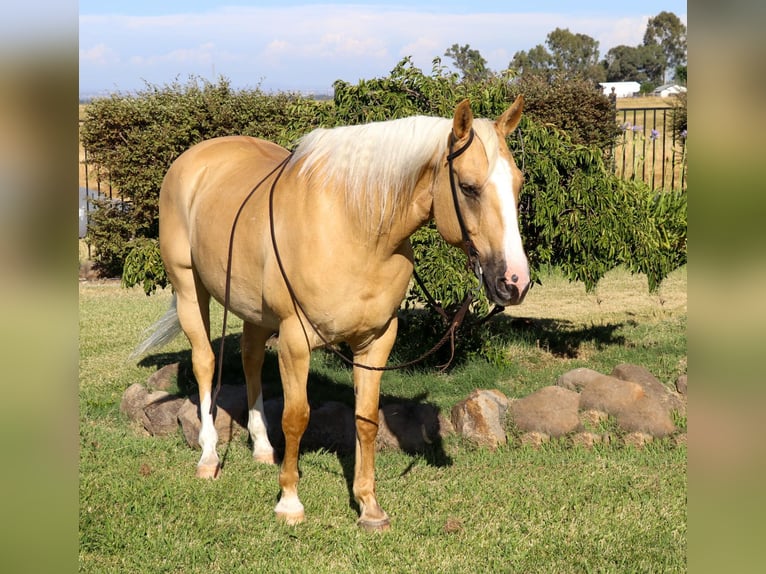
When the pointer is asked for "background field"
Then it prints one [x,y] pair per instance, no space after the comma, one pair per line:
[456,509]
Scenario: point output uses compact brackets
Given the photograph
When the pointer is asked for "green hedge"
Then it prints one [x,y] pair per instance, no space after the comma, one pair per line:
[575,213]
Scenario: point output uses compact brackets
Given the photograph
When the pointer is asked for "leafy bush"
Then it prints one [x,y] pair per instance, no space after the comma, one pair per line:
[575,213]
[133,139]
[572,106]
[143,265]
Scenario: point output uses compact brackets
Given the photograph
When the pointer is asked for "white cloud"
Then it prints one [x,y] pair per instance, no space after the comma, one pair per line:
[98,55]
[300,44]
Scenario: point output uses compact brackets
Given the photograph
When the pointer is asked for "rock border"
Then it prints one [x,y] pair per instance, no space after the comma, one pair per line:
[630,406]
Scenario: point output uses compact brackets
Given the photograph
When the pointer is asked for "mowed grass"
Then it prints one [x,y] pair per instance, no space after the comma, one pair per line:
[560,508]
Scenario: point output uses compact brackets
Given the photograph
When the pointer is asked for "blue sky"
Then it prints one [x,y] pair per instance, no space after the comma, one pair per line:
[306,45]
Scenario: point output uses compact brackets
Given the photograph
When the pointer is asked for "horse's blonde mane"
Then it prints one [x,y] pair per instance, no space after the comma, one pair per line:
[377,165]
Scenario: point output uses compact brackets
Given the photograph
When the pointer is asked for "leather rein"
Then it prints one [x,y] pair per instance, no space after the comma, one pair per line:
[453,324]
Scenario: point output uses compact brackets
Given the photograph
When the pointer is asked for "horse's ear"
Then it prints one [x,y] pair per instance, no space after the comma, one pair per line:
[463,120]
[511,117]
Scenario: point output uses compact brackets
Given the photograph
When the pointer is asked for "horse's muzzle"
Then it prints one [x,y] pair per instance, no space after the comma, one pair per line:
[504,291]
[510,293]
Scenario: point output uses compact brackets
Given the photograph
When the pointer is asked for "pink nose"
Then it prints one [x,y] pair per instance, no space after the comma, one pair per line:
[517,284]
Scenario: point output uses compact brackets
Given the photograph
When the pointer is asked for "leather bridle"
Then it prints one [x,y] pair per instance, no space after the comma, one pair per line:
[454,323]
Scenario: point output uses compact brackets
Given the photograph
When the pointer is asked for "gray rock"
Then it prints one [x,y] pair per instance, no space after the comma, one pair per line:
[577,379]
[164,378]
[551,410]
[161,412]
[652,386]
[411,427]
[133,402]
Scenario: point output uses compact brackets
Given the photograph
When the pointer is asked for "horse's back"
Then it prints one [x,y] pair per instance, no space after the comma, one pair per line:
[204,187]
[215,162]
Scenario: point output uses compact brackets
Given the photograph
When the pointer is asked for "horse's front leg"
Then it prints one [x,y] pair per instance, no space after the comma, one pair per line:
[367,391]
[294,355]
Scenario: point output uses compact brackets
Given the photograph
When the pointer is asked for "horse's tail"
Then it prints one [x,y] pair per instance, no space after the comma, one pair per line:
[161,333]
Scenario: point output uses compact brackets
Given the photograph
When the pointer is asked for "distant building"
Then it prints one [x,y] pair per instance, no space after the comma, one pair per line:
[668,90]
[621,89]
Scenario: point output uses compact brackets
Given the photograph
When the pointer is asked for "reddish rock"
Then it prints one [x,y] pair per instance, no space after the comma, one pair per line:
[652,386]
[481,417]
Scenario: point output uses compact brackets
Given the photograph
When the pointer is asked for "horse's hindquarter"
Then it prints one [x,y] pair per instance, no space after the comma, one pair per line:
[200,197]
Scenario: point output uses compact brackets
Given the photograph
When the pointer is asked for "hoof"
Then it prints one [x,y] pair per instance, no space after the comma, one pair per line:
[291,518]
[266,458]
[377,525]
[290,511]
[210,471]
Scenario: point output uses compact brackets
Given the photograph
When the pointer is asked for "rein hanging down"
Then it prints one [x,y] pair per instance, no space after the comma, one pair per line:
[454,323]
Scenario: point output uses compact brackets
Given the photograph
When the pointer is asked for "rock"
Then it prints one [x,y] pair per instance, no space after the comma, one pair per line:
[411,427]
[681,385]
[647,415]
[161,412]
[610,395]
[164,378]
[652,386]
[577,379]
[551,410]
[481,417]
[230,415]
[133,402]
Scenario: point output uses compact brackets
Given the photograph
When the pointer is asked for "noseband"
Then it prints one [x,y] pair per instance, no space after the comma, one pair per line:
[470,249]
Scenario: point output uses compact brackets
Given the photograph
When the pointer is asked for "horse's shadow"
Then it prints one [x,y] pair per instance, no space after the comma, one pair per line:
[332,400]
[331,426]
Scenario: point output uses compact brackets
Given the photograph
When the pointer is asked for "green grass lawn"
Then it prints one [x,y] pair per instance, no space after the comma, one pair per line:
[558,508]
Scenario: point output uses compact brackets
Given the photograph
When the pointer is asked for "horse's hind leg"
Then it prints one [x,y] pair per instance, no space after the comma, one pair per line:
[194,315]
[253,344]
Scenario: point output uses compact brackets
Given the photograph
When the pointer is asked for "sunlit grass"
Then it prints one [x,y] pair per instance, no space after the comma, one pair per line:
[559,508]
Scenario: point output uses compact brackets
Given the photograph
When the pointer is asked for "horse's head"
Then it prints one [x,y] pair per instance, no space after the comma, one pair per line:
[476,201]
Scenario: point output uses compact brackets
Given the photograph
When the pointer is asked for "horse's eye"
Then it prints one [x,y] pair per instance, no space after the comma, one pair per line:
[469,190]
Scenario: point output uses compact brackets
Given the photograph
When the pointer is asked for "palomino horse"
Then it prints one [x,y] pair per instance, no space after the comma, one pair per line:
[341,215]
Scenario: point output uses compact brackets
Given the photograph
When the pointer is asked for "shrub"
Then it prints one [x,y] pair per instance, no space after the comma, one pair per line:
[575,106]
[143,264]
[133,139]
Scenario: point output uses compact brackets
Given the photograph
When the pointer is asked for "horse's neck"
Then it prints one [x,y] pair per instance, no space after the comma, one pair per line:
[415,213]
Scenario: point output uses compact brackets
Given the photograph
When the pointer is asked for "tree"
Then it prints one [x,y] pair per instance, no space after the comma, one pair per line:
[568,56]
[471,64]
[668,32]
[576,55]
[535,62]
[643,64]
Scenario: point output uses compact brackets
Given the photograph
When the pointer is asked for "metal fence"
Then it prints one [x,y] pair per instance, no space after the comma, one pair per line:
[650,149]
